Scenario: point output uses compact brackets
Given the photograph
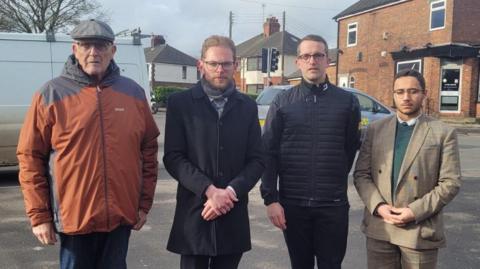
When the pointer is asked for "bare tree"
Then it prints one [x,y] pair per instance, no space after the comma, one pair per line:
[38,16]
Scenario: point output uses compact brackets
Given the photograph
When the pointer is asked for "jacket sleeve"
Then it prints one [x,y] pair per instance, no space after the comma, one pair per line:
[255,165]
[175,156]
[362,177]
[271,140]
[352,133]
[33,150]
[448,183]
[149,149]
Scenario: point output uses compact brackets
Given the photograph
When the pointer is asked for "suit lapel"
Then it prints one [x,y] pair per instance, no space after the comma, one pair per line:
[416,141]
[386,142]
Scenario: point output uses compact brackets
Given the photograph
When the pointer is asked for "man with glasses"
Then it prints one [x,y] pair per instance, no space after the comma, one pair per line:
[214,150]
[83,174]
[407,170]
[311,136]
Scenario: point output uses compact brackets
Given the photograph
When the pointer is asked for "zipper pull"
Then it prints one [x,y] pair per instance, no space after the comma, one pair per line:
[315,99]
[98,89]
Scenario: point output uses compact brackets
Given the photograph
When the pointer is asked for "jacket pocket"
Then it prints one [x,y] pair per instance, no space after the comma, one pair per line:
[432,229]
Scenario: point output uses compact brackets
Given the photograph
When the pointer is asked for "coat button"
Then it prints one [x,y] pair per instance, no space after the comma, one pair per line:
[222,148]
[415,177]
[415,198]
[380,171]
[220,173]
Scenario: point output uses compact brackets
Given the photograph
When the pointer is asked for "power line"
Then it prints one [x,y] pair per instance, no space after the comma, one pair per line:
[292,6]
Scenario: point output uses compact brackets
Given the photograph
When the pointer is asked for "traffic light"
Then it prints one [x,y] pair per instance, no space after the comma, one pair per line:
[274,53]
[264,60]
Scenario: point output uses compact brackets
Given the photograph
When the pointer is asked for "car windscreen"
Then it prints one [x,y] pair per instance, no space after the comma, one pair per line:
[266,96]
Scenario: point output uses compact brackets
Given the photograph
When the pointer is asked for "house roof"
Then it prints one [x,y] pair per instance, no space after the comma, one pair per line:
[253,46]
[364,5]
[169,55]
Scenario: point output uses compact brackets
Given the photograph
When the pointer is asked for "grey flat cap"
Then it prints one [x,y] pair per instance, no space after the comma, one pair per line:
[92,29]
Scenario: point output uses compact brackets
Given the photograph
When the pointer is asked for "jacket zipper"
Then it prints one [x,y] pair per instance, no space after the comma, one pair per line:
[312,116]
[99,98]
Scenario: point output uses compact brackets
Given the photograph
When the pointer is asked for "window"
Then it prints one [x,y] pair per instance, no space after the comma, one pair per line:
[437,14]
[254,88]
[413,64]
[478,96]
[352,34]
[351,83]
[184,72]
[253,63]
[366,104]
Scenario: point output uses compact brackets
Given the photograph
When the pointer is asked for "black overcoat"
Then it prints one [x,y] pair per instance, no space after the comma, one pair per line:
[202,148]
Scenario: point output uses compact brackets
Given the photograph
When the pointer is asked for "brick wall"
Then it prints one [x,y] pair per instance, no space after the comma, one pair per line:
[466,23]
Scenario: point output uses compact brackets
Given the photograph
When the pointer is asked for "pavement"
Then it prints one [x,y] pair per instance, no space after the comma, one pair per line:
[19,249]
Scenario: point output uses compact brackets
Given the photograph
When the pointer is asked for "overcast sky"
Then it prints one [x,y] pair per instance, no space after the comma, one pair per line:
[186,23]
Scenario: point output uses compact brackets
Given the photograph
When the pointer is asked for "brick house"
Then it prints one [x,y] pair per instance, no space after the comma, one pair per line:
[439,38]
[167,66]
[249,77]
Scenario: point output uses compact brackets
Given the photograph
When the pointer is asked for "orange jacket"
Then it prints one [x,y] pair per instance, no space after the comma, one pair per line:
[88,153]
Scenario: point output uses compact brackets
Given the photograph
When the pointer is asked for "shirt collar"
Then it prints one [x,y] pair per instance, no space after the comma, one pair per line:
[409,122]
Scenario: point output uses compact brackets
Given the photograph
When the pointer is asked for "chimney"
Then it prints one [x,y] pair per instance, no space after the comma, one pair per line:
[270,26]
[157,40]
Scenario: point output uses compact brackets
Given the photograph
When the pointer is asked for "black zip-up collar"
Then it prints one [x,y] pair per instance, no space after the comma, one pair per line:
[315,88]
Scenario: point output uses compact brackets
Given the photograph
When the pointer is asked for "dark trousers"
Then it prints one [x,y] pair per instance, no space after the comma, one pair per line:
[316,232]
[210,262]
[95,250]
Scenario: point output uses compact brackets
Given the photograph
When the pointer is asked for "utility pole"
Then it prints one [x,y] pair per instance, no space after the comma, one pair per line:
[263,12]
[283,48]
[230,19]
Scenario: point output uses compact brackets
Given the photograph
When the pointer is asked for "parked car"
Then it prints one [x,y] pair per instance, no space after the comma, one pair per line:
[370,107]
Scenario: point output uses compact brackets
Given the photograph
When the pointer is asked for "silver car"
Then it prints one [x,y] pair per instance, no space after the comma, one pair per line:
[370,107]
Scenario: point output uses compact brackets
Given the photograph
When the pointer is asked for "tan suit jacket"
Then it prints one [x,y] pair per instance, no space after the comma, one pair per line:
[429,179]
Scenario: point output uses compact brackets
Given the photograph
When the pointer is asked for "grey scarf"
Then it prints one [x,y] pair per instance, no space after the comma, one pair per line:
[217,98]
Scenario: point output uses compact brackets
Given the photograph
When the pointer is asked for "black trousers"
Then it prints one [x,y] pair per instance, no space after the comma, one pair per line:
[210,262]
[316,232]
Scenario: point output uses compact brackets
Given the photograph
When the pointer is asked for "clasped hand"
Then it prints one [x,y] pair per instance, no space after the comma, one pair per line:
[219,202]
[396,216]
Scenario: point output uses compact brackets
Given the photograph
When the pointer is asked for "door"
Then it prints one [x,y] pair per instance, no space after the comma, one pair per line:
[450,87]
[342,81]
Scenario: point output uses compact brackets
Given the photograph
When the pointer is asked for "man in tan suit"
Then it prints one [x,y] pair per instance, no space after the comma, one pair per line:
[408,169]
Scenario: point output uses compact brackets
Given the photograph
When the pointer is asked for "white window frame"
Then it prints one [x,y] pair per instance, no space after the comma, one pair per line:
[432,9]
[184,72]
[351,82]
[352,30]
[419,61]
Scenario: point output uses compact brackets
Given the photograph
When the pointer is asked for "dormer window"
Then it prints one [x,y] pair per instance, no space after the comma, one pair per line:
[437,14]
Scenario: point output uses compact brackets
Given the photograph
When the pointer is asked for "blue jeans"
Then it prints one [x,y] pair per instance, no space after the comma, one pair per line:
[95,250]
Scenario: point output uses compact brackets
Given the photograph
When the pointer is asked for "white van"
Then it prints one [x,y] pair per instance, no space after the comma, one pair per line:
[27,61]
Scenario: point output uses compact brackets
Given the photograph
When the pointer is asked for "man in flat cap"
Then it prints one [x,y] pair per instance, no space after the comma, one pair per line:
[82,173]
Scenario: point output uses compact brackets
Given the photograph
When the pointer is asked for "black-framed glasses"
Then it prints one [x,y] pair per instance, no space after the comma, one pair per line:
[212,65]
[411,91]
[316,57]
[99,45]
